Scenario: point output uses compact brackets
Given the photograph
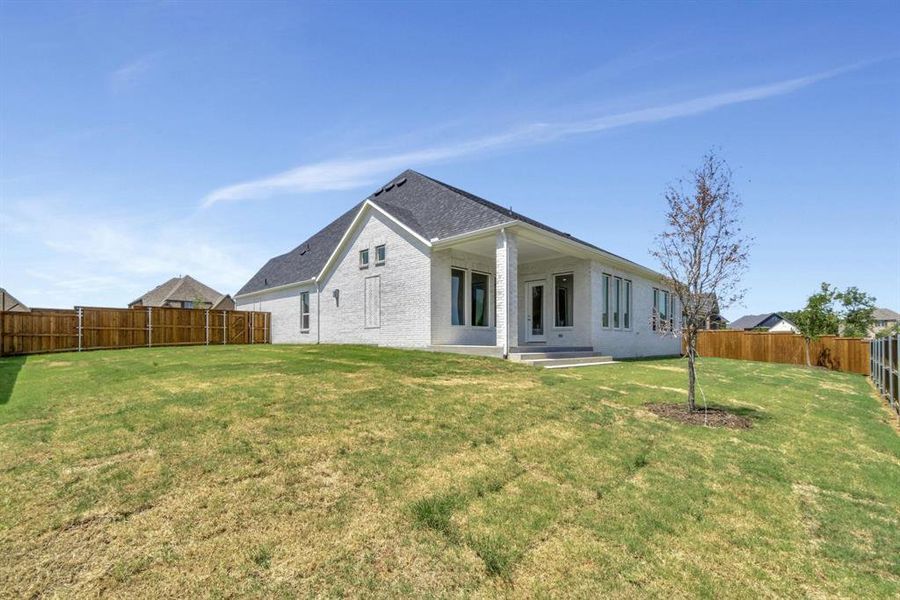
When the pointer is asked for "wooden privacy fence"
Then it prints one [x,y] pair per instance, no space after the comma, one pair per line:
[93,328]
[837,353]
[885,368]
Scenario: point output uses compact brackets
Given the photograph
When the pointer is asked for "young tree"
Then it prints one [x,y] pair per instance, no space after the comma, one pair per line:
[702,250]
[857,312]
[818,317]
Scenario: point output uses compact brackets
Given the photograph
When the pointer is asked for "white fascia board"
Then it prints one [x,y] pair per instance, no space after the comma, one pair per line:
[277,288]
[438,243]
[367,206]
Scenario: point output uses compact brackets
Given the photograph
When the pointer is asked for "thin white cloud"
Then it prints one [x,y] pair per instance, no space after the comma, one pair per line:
[127,76]
[343,174]
[110,261]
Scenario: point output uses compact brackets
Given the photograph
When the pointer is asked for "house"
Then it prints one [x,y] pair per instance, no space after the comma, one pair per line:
[710,306]
[8,302]
[884,318]
[184,292]
[772,322]
[420,263]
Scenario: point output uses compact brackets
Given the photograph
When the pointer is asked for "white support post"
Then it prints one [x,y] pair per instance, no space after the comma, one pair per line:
[80,312]
[507,274]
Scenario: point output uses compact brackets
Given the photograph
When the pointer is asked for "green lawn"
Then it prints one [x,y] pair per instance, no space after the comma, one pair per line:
[285,471]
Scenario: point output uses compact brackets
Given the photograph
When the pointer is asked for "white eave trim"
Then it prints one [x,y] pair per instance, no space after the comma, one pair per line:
[581,248]
[363,210]
[276,288]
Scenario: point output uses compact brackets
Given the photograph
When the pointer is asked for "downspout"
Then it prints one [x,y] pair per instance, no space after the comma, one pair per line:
[318,313]
[505,293]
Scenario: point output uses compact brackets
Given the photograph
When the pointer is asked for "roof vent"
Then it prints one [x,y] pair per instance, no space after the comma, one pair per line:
[304,250]
[266,281]
[401,182]
[378,192]
[388,187]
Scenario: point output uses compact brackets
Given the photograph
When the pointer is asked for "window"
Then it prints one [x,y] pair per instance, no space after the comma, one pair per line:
[479,299]
[663,308]
[617,302]
[605,300]
[187,304]
[626,310]
[379,255]
[364,259]
[457,297]
[565,295]
[304,311]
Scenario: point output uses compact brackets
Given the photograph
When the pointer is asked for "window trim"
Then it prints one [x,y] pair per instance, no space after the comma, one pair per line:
[628,292]
[464,287]
[305,314]
[556,298]
[364,252]
[487,300]
[605,309]
[383,247]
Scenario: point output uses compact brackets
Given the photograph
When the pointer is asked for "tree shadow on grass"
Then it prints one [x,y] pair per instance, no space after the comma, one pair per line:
[9,372]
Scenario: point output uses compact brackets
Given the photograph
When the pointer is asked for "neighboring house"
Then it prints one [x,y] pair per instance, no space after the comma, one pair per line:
[714,319]
[883,319]
[184,292]
[420,263]
[9,302]
[772,322]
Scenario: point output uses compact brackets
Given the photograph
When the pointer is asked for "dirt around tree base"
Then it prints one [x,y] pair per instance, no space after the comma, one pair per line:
[712,417]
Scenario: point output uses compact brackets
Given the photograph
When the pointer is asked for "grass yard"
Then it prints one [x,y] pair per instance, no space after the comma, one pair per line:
[328,471]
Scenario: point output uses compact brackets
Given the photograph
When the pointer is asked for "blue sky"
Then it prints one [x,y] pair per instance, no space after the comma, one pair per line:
[144,140]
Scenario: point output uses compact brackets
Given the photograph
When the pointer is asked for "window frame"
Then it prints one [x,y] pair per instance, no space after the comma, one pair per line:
[304,296]
[626,313]
[464,287]
[605,312]
[364,253]
[617,303]
[380,262]
[487,298]
[556,324]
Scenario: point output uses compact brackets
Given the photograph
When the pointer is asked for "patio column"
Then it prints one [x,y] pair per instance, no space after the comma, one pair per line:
[507,325]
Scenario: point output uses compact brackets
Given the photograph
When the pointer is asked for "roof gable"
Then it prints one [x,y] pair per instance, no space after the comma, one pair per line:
[184,288]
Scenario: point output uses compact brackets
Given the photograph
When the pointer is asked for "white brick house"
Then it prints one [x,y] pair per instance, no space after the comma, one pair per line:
[423,264]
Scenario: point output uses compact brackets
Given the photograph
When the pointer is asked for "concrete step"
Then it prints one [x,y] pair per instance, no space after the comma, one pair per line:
[581,361]
[551,354]
[546,348]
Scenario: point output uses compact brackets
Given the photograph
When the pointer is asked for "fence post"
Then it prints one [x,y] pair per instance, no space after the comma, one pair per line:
[207,327]
[891,358]
[80,312]
[252,323]
[224,326]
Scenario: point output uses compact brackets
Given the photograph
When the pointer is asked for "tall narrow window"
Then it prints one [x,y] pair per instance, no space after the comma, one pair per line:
[364,259]
[479,299]
[671,310]
[380,255]
[304,311]
[626,309]
[617,302]
[654,321]
[457,297]
[605,300]
[565,293]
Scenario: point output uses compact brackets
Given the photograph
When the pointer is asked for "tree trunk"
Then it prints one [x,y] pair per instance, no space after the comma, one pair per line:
[806,348]
[692,373]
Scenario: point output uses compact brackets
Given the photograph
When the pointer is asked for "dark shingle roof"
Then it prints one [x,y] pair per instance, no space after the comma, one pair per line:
[431,208]
[753,321]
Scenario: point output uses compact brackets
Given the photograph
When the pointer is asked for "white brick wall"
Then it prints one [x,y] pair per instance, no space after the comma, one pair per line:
[640,340]
[285,308]
[405,289]
[442,331]
[544,272]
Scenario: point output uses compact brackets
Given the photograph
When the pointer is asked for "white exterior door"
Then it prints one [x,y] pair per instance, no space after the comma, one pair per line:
[534,312]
